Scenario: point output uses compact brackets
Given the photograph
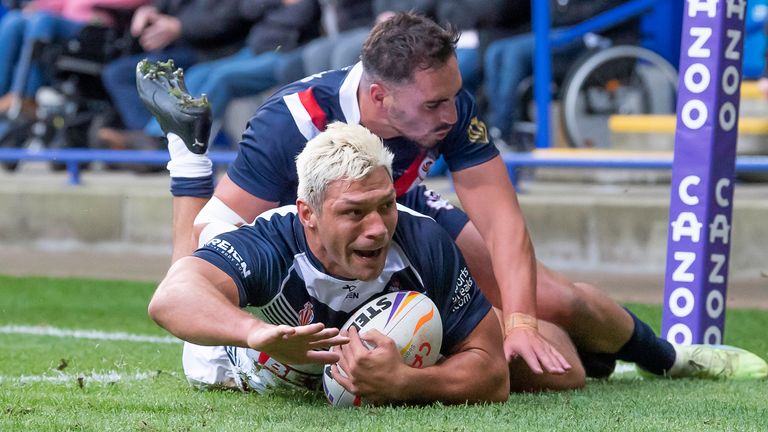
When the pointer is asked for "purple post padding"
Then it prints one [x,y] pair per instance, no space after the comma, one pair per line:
[703,171]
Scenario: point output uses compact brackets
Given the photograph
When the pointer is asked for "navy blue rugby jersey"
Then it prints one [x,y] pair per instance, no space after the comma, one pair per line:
[276,134]
[281,282]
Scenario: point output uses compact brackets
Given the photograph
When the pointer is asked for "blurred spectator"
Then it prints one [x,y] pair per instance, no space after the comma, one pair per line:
[42,22]
[252,70]
[346,24]
[186,31]
[509,61]
[480,21]
[277,27]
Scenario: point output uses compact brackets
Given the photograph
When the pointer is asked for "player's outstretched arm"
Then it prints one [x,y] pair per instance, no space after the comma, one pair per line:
[476,372]
[198,302]
[502,227]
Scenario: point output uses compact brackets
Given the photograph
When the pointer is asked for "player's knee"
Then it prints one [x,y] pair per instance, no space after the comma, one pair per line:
[563,303]
[576,378]
[523,380]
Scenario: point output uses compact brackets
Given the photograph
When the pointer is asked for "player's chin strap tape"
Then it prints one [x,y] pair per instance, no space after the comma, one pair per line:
[191,174]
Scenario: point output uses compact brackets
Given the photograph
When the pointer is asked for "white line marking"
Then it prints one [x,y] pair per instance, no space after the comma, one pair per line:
[87,334]
[62,378]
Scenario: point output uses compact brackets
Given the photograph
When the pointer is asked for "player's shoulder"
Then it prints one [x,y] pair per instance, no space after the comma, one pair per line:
[323,84]
[466,103]
[417,230]
[274,230]
[277,220]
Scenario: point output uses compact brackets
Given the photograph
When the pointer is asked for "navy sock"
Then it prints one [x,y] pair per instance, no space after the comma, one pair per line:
[652,353]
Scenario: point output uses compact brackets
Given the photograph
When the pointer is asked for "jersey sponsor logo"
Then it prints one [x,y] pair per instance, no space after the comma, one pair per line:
[351,294]
[477,132]
[461,293]
[227,250]
[306,314]
[435,201]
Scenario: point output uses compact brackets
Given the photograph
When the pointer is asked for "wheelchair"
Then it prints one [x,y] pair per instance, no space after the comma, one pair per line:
[75,105]
[625,69]
[620,79]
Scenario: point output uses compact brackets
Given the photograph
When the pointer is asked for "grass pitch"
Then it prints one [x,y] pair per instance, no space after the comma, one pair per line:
[55,375]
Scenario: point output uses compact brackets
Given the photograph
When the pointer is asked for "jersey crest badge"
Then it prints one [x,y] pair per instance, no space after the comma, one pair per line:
[307,314]
[477,131]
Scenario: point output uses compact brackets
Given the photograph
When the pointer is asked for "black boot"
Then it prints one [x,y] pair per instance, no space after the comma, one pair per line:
[161,88]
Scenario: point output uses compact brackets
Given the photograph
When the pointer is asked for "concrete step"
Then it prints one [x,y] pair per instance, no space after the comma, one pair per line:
[583,227]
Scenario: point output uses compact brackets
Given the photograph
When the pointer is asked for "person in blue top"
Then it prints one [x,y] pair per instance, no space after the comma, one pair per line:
[408,91]
[345,229]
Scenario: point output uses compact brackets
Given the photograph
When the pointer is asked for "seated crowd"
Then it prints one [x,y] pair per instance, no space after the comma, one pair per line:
[232,49]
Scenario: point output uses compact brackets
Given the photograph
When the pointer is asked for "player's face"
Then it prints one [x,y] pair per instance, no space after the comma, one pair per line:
[356,226]
[424,111]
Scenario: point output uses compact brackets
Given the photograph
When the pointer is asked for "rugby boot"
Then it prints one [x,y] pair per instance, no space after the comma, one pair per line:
[597,365]
[162,89]
[719,362]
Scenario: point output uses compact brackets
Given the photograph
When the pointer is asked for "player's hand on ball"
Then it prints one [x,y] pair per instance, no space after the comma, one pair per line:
[297,345]
[537,352]
[369,373]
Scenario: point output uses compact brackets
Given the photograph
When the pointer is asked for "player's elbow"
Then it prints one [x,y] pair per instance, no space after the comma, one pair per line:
[492,386]
[160,305]
[155,309]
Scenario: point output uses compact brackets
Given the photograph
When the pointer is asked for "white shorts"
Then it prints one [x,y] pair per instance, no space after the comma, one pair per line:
[217,367]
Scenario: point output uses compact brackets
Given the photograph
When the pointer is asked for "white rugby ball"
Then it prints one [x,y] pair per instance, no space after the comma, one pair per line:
[413,322]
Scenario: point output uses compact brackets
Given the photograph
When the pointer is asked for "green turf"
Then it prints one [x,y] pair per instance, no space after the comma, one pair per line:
[162,401]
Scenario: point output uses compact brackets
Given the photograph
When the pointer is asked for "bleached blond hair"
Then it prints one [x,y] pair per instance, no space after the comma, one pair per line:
[341,152]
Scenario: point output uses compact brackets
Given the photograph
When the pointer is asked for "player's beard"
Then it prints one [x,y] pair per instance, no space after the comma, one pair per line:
[427,141]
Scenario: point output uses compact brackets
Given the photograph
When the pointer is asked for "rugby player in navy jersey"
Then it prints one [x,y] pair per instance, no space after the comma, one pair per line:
[407,90]
[345,229]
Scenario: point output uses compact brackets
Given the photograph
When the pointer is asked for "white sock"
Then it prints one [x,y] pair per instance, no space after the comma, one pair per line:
[184,163]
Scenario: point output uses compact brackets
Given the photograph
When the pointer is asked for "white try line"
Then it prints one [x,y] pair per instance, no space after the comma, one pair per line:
[86,334]
[79,379]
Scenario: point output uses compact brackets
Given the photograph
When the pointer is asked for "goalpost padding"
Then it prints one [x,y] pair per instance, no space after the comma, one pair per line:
[703,171]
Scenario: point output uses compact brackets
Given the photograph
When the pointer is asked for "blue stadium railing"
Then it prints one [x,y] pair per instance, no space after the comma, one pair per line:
[545,39]
[72,158]
[513,161]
